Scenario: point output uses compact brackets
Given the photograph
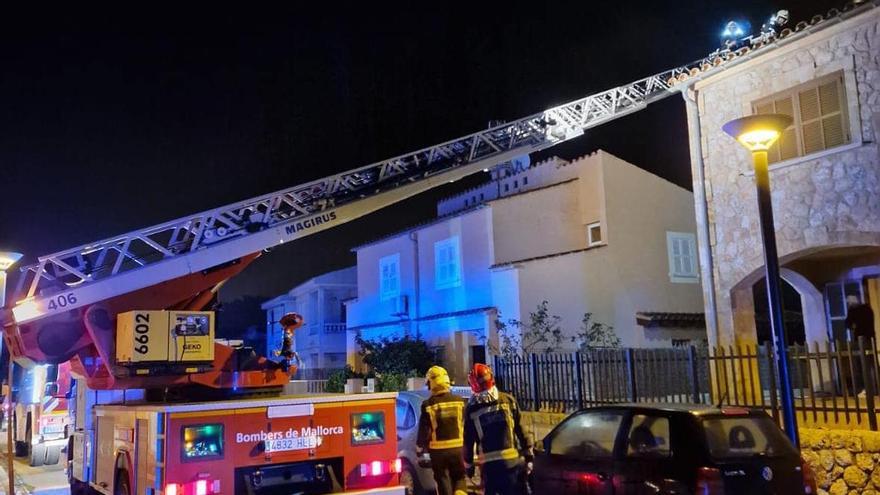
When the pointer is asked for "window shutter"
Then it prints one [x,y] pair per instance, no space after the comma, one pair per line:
[809,104]
[832,121]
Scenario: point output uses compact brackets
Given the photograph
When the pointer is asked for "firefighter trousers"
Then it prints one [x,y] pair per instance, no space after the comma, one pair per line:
[502,477]
[448,471]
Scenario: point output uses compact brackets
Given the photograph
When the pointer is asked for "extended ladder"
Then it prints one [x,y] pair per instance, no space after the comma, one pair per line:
[118,265]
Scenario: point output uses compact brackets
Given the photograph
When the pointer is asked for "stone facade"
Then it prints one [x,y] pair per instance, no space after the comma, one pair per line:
[821,201]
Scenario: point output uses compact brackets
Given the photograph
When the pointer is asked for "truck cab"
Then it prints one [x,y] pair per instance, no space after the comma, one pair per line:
[40,418]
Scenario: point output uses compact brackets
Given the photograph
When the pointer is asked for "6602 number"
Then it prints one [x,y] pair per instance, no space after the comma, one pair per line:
[61,301]
[141,332]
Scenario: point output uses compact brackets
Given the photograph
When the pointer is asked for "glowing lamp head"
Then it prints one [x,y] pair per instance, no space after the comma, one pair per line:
[8,258]
[733,30]
[758,132]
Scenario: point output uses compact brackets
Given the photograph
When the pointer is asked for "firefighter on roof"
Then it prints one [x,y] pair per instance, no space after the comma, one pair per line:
[491,421]
[441,433]
[290,322]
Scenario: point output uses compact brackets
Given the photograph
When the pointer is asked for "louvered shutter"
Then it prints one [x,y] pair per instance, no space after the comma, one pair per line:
[832,116]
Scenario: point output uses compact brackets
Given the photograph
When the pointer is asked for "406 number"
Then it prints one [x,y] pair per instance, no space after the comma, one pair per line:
[141,332]
[61,301]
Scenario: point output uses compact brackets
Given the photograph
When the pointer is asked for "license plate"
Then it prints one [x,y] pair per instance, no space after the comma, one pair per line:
[53,428]
[298,443]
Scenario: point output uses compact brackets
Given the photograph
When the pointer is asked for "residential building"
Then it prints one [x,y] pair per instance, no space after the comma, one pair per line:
[322,341]
[595,234]
[824,178]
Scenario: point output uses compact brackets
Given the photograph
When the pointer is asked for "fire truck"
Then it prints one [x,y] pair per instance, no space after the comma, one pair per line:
[129,314]
[40,417]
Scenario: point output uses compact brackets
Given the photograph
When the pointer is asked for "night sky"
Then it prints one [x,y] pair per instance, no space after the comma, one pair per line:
[111,121]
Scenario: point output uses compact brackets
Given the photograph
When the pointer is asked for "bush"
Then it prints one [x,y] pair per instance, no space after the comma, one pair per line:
[336,380]
[392,382]
[403,356]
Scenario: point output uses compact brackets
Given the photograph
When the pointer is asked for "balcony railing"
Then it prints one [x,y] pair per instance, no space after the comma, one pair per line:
[334,328]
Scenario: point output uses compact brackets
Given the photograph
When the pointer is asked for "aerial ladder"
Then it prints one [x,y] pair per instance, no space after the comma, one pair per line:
[68,302]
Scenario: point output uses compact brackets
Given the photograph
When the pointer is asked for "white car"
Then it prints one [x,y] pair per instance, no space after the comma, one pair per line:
[417,479]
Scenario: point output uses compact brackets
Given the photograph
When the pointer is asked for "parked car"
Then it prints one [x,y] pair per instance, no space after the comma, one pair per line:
[669,449]
[417,479]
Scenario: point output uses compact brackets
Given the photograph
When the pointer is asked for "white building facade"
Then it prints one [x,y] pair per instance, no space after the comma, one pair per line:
[595,235]
[322,341]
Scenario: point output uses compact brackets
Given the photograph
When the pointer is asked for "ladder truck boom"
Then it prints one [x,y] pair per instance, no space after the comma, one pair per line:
[179,264]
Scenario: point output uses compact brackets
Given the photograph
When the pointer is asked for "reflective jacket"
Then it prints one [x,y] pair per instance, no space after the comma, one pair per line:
[493,423]
[441,422]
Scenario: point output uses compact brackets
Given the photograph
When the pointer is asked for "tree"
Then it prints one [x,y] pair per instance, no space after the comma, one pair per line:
[595,334]
[541,333]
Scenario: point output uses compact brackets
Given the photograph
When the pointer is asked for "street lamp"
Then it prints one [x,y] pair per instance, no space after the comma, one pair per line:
[757,133]
[7,259]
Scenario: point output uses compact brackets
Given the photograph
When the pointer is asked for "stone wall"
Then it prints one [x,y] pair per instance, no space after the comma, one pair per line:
[821,200]
[846,462]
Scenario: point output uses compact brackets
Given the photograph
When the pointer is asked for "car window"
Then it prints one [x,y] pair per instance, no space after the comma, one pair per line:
[745,436]
[589,434]
[406,417]
[648,437]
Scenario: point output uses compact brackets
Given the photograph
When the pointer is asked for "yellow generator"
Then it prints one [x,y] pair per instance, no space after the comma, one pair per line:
[144,337]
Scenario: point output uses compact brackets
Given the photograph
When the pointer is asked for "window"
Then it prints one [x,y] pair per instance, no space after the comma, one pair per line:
[202,442]
[466,202]
[334,359]
[681,248]
[819,112]
[389,276]
[406,417]
[367,428]
[447,264]
[594,234]
[506,187]
[745,437]
[515,184]
[525,181]
[589,435]
[836,308]
[648,437]
[481,196]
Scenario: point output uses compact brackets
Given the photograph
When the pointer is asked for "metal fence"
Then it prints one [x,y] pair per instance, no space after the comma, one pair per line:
[833,383]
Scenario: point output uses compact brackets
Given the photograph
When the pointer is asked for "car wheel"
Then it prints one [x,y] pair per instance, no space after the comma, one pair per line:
[53,455]
[409,481]
[38,455]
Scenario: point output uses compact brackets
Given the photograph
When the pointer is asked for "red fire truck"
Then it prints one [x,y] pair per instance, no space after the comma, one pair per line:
[291,444]
[40,418]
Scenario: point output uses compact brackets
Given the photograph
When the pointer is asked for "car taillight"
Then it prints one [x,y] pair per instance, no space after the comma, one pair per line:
[809,478]
[171,489]
[709,482]
[198,487]
[202,487]
[377,468]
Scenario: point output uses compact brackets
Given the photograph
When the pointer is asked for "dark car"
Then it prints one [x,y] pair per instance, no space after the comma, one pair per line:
[669,449]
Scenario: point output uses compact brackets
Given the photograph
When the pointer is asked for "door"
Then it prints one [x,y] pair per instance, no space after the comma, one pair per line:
[647,455]
[578,455]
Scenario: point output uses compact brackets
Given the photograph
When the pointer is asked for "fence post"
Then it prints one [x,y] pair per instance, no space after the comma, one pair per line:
[868,381]
[498,372]
[771,364]
[578,380]
[533,369]
[695,374]
[631,373]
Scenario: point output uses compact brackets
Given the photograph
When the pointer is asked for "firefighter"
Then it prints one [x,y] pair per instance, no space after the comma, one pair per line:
[491,421]
[441,434]
[290,322]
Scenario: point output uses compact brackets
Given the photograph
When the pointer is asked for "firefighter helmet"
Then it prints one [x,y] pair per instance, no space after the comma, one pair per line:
[481,378]
[291,320]
[438,379]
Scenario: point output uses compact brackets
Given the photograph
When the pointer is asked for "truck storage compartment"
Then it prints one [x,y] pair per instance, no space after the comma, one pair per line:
[306,477]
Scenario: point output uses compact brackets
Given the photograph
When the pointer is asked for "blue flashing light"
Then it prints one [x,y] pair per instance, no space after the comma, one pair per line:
[735,30]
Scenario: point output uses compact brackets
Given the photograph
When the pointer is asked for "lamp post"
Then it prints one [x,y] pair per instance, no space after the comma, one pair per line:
[7,259]
[757,133]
